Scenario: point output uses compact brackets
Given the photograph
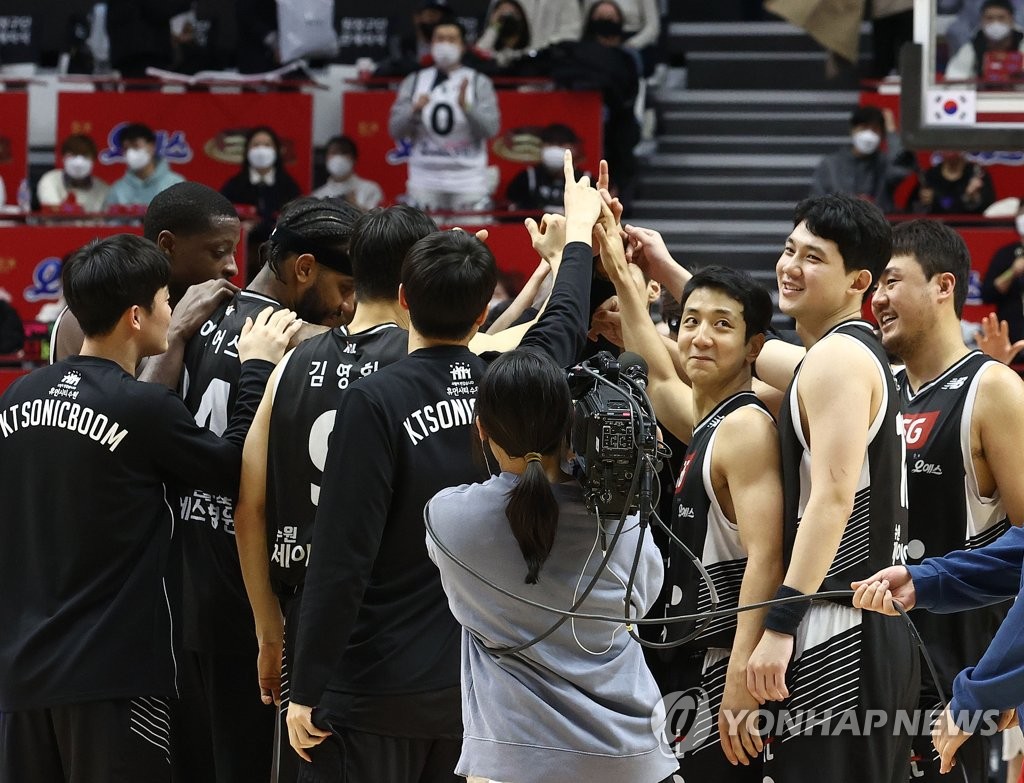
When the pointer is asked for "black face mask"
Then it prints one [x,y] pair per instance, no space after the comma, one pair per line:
[604,28]
[510,26]
[426,30]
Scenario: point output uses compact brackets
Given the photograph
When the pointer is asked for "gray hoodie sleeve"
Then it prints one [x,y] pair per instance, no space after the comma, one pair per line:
[483,114]
[403,120]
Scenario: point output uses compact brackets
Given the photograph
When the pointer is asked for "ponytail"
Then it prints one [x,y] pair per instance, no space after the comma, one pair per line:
[532,512]
[524,403]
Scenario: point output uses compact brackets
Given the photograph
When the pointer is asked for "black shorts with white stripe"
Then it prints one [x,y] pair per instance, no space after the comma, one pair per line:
[114,741]
[853,685]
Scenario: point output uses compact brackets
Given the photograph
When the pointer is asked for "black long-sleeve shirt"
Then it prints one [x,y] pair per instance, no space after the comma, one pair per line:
[374,618]
[87,454]
[1009,305]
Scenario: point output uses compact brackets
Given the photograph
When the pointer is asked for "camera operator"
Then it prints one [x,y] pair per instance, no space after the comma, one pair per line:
[576,705]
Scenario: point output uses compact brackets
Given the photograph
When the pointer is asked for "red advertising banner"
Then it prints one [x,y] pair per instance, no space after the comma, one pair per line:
[523,114]
[13,142]
[201,135]
[30,260]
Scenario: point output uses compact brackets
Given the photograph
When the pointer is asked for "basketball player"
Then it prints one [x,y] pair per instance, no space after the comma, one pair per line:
[845,510]
[377,650]
[287,447]
[728,499]
[198,229]
[448,111]
[964,426]
[86,654]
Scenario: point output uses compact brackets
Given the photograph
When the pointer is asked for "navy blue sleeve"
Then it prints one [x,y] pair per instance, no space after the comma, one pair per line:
[970,579]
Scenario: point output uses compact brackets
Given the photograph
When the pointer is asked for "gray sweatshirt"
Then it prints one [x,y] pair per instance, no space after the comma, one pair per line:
[553,711]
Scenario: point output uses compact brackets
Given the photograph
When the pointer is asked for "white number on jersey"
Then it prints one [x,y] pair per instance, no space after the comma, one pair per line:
[319,435]
[213,407]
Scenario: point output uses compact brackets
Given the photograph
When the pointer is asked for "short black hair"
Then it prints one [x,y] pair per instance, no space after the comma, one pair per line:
[451,21]
[938,249]
[344,145]
[448,278]
[752,296]
[560,134]
[380,241]
[867,115]
[325,226]
[858,228]
[107,276]
[1006,5]
[133,131]
[185,209]
[78,144]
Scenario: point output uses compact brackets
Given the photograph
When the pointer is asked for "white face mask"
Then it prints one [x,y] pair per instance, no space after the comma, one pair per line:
[261,157]
[445,54]
[77,166]
[137,159]
[866,141]
[339,166]
[1020,224]
[552,157]
[997,31]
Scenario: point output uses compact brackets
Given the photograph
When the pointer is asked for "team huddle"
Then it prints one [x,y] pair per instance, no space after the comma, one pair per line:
[215,498]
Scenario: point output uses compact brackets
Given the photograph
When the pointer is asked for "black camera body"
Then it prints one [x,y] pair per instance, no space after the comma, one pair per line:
[612,425]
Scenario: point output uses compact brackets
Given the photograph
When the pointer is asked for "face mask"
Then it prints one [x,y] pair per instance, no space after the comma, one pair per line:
[605,28]
[445,54]
[77,166]
[553,158]
[997,31]
[509,25]
[339,166]
[1020,225]
[261,157]
[426,30]
[137,159]
[866,141]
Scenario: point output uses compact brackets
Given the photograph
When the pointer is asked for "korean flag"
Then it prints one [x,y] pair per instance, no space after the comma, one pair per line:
[952,107]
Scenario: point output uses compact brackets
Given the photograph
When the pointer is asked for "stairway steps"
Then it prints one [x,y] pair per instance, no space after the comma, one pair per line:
[723,187]
[767,144]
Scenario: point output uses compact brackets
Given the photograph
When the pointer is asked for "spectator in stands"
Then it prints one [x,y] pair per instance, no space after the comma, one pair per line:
[997,35]
[507,37]
[140,34]
[641,24]
[448,111]
[411,52]
[968,14]
[256,50]
[549,21]
[74,183]
[342,181]
[864,169]
[541,187]
[148,173]
[954,187]
[1003,285]
[262,182]
[599,62]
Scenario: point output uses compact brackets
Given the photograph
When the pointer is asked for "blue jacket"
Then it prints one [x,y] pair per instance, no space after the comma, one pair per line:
[130,189]
[980,577]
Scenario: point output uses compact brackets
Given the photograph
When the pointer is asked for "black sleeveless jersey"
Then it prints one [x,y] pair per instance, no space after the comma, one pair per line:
[947,511]
[309,389]
[876,532]
[216,612]
[699,522]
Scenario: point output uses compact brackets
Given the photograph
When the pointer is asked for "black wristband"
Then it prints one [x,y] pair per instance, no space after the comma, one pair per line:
[786,618]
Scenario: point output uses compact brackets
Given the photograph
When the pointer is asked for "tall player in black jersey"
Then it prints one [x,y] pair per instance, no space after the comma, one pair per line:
[378,649]
[964,418]
[728,501]
[844,480]
[286,449]
[198,230]
[87,659]
[307,269]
